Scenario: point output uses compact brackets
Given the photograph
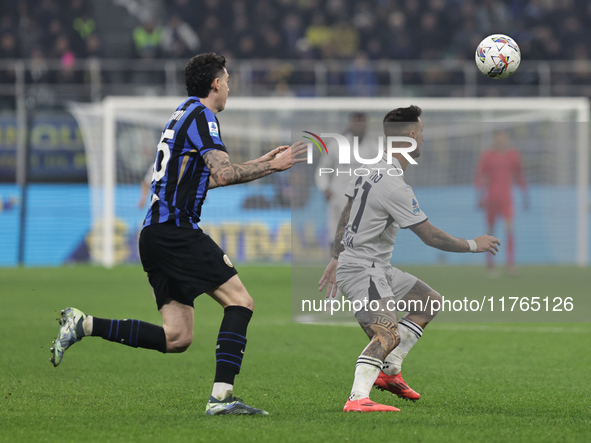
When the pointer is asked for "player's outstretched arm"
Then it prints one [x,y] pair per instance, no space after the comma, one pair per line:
[225,173]
[330,273]
[268,156]
[440,239]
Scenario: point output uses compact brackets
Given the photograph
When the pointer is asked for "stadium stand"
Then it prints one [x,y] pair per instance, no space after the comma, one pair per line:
[311,29]
[303,47]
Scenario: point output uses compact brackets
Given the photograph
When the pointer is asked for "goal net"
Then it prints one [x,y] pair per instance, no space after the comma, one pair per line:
[284,217]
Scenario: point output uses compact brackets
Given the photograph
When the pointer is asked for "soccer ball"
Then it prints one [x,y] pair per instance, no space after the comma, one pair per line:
[498,56]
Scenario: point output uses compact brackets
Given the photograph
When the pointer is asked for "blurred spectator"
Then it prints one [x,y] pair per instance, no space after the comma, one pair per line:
[211,30]
[82,23]
[271,45]
[466,35]
[7,24]
[318,34]
[184,9]
[360,78]
[218,45]
[292,29]
[374,49]
[30,36]
[545,46]
[246,47]
[401,46]
[8,50]
[218,8]
[93,47]
[535,12]
[61,50]
[571,34]
[337,10]
[39,73]
[147,40]
[413,12]
[365,21]
[179,40]
[240,25]
[344,39]
[264,13]
[582,74]
[45,12]
[54,30]
[493,17]
[430,31]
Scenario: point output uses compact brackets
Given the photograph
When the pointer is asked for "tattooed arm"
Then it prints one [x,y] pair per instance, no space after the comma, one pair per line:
[224,173]
[343,220]
[439,239]
[268,156]
[329,276]
[212,183]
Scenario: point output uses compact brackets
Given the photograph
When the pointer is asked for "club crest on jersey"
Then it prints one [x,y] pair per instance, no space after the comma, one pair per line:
[213,129]
[415,206]
[227,261]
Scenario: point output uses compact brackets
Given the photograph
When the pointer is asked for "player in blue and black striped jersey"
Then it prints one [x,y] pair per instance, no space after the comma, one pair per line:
[181,176]
[181,261]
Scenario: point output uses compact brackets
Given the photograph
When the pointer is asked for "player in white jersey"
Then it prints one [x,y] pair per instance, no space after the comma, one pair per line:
[379,204]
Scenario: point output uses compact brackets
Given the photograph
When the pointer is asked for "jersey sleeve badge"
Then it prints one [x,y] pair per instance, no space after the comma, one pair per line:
[213,129]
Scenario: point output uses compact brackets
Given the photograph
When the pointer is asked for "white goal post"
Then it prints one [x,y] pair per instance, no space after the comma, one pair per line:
[284,110]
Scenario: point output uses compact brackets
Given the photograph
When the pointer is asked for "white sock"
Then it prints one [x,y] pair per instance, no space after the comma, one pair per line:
[410,333]
[87,325]
[366,373]
[222,391]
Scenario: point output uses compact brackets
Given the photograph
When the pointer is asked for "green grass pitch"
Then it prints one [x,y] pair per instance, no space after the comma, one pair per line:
[479,382]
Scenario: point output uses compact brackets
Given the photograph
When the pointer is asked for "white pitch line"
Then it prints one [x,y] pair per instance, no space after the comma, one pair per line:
[493,328]
[467,328]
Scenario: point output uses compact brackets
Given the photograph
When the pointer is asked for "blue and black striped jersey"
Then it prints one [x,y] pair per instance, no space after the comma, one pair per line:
[181,177]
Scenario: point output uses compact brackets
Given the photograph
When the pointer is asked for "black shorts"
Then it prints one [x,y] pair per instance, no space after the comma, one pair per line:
[182,263]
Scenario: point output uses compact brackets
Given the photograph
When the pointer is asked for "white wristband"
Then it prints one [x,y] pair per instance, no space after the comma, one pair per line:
[472,245]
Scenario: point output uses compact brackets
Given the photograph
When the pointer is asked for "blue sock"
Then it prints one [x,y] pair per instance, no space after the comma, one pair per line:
[231,343]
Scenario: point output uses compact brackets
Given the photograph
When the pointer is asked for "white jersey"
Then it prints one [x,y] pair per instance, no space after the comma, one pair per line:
[382,204]
[337,181]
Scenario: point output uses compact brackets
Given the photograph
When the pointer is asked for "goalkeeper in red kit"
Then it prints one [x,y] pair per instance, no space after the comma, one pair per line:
[499,167]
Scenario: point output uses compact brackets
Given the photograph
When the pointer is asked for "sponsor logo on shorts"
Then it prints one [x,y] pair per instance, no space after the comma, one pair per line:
[227,261]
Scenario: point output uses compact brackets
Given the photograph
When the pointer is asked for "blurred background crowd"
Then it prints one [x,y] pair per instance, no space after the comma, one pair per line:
[302,47]
[290,29]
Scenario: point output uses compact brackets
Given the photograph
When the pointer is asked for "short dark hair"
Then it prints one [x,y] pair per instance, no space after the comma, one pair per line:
[201,71]
[401,116]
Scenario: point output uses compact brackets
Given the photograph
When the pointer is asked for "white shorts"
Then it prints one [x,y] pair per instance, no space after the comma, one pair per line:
[365,283]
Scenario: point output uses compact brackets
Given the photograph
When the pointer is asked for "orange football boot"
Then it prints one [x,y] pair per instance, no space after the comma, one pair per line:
[366,405]
[396,385]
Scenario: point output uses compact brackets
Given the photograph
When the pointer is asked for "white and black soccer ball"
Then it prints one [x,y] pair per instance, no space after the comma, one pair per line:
[498,56]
